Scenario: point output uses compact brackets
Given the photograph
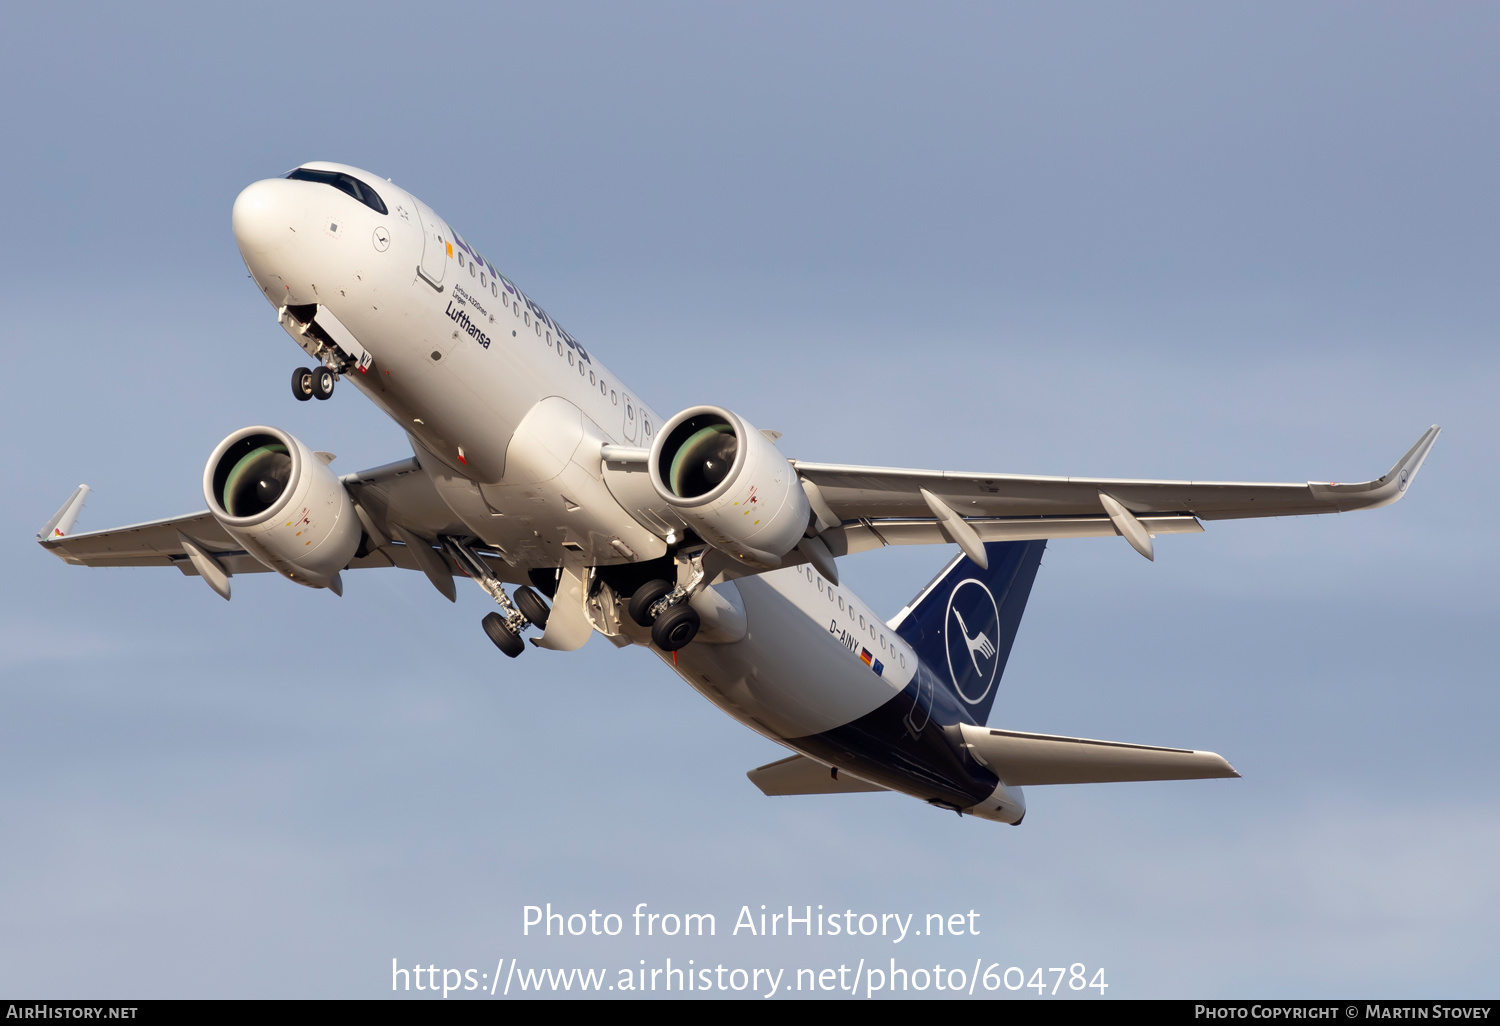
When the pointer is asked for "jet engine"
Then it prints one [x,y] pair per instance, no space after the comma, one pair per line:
[278,499]
[730,484]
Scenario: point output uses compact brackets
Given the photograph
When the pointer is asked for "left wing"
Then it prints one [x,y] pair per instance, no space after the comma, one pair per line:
[874,506]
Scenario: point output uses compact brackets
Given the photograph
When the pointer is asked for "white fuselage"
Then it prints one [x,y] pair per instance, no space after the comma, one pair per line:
[507,413]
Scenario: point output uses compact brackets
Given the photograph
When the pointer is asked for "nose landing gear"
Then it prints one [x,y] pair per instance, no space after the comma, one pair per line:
[316,383]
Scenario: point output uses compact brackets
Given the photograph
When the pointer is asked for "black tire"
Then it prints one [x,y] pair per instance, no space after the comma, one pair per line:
[322,382]
[531,606]
[644,598]
[505,641]
[302,387]
[674,628]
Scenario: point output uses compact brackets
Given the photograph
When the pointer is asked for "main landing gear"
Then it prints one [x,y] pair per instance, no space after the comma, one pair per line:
[664,608]
[316,383]
[508,639]
[531,606]
[517,613]
[500,633]
[657,604]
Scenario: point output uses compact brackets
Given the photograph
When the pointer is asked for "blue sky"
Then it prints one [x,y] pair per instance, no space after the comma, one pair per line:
[1159,240]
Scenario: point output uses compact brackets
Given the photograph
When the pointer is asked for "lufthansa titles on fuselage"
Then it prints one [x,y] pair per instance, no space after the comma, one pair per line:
[465,324]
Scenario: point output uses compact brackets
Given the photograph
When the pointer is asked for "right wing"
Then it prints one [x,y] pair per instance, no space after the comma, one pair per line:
[397,495]
[153,543]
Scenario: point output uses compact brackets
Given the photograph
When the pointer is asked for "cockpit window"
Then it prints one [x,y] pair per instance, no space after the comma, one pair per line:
[342,182]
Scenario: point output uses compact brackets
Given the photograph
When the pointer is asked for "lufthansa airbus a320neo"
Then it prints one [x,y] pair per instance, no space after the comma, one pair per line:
[542,476]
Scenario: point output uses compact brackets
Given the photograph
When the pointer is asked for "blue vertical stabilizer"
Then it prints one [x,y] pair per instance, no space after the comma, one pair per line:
[963,624]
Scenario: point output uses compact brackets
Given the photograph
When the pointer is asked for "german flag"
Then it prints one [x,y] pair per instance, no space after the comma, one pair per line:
[865,656]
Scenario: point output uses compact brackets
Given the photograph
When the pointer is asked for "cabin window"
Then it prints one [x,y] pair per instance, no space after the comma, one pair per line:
[841,603]
[347,184]
[495,290]
[472,272]
[603,388]
[549,338]
[483,282]
[570,356]
[882,643]
[645,425]
[861,621]
[591,377]
[581,368]
[528,320]
[820,586]
[614,397]
[903,660]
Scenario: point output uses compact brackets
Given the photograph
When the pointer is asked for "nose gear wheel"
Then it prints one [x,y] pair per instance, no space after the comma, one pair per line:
[322,382]
[302,384]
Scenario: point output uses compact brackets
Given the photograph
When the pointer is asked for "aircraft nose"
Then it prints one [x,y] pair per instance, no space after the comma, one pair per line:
[266,218]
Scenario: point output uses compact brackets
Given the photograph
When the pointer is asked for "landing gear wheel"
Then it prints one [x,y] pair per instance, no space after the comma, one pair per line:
[302,384]
[531,606]
[674,628]
[505,641]
[644,598]
[322,382]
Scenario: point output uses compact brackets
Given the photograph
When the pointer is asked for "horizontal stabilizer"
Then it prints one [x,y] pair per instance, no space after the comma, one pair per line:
[801,775]
[1021,759]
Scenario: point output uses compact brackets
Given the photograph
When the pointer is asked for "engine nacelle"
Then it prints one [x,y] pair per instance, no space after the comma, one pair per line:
[281,502]
[730,484]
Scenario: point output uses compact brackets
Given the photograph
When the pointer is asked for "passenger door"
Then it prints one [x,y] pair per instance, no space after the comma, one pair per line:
[434,246]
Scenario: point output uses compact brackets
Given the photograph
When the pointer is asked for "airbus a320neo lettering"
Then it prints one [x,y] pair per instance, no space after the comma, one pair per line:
[542,476]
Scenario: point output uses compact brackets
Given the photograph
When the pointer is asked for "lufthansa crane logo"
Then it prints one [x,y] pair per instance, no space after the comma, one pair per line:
[972,632]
